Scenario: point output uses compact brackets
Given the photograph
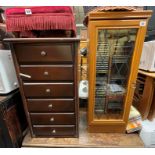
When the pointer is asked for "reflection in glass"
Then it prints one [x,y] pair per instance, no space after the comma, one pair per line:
[113,58]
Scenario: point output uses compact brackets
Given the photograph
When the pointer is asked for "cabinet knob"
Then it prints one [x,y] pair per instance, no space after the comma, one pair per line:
[53,131]
[52,119]
[50,105]
[43,53]
[45,73]
[48,90]
[134,85]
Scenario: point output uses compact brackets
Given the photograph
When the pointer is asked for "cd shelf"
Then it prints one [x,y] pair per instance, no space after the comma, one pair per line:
[115,46]
[113,55]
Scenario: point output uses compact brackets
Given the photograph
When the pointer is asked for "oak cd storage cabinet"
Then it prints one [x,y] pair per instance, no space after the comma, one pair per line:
[115,46]
[47,72]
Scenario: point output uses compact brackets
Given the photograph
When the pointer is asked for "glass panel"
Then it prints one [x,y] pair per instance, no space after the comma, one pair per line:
[113,58]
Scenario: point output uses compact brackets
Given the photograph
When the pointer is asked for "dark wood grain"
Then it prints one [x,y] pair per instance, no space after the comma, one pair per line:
[47,72]
[55,119]
[76,84]
[51,105]
[60,131]
[43,53]
[41,89]
[21,88]
[58,57]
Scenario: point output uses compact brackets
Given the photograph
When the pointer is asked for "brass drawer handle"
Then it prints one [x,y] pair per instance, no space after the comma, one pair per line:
[52,119]
[45,73]
[48,90]
[43,53]
[50,105]
[53,131]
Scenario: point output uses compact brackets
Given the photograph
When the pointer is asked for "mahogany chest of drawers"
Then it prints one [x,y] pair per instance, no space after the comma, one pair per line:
[47,72]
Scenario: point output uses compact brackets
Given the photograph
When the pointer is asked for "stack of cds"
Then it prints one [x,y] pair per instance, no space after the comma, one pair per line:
[135,121]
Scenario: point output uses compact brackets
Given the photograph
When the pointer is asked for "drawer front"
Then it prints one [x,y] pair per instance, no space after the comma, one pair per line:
[48,90]
[51,105]
[54,131]
[44,52]
[55,119]
[42,72]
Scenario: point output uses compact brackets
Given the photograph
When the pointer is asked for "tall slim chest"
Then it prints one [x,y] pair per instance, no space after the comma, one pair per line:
[47,72]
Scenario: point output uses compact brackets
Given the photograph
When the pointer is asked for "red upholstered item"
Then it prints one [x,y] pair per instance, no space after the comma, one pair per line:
[39,9]
[42,18]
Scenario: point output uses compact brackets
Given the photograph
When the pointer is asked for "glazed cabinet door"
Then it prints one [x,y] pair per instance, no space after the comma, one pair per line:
[113,60]
[111,56]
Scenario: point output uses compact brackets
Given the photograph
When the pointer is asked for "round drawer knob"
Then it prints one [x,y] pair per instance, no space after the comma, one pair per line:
[54,131]
[43,53]
[50,105]
[48,90]
[45,73]
[52,119]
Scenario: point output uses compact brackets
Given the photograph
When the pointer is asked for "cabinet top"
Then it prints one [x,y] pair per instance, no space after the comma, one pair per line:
[39,40]
[120,15]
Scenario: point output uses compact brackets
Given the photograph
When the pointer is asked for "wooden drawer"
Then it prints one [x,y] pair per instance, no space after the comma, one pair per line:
[41,90]
[55,119]
[47,72]
[51,105]
[54,131]
[40,52]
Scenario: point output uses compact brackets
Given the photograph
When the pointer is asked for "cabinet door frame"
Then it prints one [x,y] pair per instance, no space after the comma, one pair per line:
[93,28]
